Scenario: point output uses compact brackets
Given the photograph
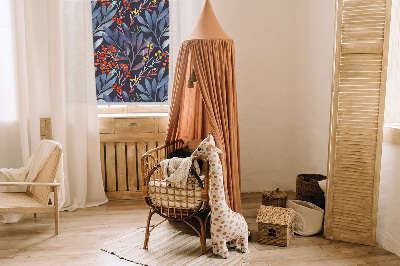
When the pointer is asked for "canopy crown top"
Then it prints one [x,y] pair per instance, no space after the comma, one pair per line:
[207,26]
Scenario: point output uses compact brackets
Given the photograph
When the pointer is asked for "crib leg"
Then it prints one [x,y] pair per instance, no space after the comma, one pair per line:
[202,234]
[147,235]
[203,237]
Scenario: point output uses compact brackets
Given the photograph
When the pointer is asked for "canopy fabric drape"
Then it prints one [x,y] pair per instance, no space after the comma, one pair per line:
[211,106]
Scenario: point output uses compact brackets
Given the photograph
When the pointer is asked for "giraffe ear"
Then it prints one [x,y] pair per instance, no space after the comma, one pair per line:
[216,149]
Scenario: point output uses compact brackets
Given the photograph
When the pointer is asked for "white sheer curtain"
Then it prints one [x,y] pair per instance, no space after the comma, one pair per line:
[55,74]
[10,148]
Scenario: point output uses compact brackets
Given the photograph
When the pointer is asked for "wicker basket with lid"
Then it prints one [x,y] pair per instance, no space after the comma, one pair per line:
[274,198]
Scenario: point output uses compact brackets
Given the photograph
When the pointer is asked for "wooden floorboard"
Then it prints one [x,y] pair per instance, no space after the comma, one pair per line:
[82,233]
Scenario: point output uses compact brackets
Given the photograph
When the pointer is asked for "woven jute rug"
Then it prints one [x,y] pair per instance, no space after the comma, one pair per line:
[168,247]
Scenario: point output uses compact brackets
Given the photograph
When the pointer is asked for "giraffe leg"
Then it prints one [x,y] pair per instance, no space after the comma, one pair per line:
[222,249]
[243,243]
[232,244]
[215,248]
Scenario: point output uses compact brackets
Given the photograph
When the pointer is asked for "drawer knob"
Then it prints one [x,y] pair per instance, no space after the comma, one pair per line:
[133,124]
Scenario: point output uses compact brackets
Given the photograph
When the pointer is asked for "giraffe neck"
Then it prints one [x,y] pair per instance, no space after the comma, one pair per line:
[217,192]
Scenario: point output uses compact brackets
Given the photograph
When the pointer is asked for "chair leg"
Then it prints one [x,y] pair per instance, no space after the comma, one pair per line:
[34,215]
[56,211]
[147,235]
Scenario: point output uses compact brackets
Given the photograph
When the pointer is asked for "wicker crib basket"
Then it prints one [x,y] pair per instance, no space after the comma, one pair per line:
[308,189]
[171,201]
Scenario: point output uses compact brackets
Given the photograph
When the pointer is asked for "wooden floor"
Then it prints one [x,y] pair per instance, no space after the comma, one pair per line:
[82,233]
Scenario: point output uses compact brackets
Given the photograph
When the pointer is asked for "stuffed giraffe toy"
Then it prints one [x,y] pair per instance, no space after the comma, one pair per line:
[226,225]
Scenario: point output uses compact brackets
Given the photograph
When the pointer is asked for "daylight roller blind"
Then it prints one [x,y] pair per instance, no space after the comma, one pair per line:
[358,95]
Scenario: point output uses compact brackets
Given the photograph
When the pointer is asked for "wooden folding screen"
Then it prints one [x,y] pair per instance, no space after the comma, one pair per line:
[358,96]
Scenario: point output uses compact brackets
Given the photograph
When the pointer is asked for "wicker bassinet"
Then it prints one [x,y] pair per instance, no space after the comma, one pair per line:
[170,202]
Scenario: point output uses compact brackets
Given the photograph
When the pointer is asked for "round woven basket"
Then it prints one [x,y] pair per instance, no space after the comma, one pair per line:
[308,189]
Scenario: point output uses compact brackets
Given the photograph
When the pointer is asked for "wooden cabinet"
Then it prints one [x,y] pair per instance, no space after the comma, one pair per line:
[123,141]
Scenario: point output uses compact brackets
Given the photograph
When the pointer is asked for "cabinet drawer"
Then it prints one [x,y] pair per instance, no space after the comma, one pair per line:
[162,124]
[134,125]
[106,125]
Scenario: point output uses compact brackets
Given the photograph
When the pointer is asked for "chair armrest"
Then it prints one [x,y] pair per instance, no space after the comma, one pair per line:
[29,184]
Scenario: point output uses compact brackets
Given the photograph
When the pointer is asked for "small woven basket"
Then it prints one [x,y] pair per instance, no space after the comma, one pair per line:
[308,189]
[274,198]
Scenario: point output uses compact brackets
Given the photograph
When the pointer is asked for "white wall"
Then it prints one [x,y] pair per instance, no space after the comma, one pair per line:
[284,52]
[314,60]
[388,227]
[264,32]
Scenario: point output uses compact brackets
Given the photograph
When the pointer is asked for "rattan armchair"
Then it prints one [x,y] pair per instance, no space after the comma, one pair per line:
[36,197]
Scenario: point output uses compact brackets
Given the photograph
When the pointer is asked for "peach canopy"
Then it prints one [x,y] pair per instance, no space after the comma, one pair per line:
[211,105]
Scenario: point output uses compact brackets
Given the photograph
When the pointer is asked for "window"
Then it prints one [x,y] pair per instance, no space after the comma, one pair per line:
[131,50]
